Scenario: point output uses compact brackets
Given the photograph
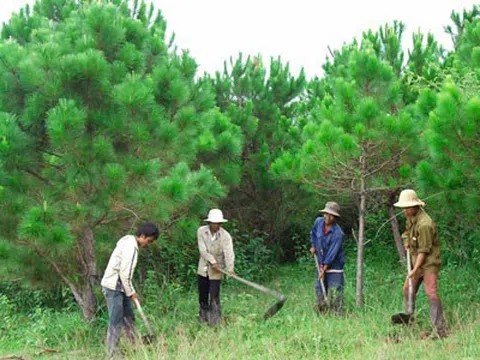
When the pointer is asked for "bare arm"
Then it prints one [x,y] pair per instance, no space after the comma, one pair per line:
[418,264]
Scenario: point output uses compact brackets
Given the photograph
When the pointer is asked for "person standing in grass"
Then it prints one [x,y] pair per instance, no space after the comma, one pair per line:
[326,239]
[216,252]
[117,284]
[421,238]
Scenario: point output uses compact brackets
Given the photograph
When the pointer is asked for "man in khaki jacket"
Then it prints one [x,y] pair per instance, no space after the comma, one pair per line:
[216,252]
[421,238]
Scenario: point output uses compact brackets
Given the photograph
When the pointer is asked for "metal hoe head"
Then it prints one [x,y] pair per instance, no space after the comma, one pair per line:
[402,319]
[275,308]
[148,339]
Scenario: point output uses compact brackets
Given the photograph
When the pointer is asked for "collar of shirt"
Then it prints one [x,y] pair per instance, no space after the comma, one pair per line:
[215,236]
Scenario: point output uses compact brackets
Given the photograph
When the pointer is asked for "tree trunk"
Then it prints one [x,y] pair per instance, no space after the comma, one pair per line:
[84,295]
[88,302]
[395,227]
[361,230]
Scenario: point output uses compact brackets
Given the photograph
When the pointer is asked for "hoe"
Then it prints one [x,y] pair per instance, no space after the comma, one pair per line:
[272,310]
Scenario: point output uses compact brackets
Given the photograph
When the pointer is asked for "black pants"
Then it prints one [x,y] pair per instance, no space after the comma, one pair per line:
[209,299]
[208,287]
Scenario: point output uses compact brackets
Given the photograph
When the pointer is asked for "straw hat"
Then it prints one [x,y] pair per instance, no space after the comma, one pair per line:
[408,198]
[215,216]
[332,208]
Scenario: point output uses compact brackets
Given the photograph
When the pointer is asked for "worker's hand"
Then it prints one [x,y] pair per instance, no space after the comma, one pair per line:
[230,273]
[216,266]
[412,274]
[313,251]
[321,274]
[134,297]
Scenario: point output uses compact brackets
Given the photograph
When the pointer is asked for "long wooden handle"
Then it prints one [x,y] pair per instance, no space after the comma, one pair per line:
[255,286]
[142,315]
[410,284]
[322,284]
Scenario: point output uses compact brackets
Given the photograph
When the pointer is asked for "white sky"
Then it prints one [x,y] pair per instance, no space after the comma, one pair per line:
[299,31]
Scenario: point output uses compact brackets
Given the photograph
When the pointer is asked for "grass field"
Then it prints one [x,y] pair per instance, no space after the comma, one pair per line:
[296,332]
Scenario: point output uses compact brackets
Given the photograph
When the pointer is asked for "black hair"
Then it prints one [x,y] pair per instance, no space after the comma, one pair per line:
[148,229]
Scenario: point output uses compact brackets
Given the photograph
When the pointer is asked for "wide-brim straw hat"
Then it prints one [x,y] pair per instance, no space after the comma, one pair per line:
[332,208]
[408,198]
[215,216]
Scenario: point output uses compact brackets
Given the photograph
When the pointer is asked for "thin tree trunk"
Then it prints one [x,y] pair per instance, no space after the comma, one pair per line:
[77,292]
[361,230]
[395,227]
[89,300]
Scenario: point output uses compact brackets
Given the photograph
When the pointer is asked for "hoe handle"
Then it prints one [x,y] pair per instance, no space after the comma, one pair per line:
[142,315]
[254,285]
[410,285]
[322,284]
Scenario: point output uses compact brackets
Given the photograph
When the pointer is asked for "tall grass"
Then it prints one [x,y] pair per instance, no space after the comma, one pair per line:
[296,332]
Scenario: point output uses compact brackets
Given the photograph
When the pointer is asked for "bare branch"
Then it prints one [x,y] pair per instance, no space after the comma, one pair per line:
[44,255]
[38,176]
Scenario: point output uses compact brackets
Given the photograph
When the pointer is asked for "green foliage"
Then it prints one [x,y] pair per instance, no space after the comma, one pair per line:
[101,124]
[253,258]
[363,111]
[454,152]
[452,134]
[264,104]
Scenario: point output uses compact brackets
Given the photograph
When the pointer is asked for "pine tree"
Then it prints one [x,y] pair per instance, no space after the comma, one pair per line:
[264,103]
[452,133]
[359,136]
[102,126]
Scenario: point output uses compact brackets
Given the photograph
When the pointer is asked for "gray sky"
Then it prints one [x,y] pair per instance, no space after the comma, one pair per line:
[299,31]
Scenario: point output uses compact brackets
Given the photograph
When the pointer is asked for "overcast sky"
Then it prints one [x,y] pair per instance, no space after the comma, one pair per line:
[298,30]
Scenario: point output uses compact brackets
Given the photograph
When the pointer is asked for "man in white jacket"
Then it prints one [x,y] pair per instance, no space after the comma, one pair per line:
[117,284]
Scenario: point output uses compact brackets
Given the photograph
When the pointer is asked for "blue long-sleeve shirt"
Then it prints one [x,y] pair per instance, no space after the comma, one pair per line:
[329,246]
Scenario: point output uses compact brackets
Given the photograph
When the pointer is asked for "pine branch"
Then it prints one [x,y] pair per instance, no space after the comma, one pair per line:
[55,266]
[38,176]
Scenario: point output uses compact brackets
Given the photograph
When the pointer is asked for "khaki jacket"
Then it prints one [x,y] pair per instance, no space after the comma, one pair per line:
[422,237]
[212,252]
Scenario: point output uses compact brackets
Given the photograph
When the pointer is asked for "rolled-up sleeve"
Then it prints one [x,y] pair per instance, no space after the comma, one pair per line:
[425,239]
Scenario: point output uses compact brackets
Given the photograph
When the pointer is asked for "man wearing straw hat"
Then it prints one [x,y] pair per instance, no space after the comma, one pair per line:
[216,252]
[326,238]
[421,238]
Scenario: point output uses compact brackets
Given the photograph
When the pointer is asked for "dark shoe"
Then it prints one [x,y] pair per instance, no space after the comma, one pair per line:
[203,314]
[320,308]
[214,314]
[402,319]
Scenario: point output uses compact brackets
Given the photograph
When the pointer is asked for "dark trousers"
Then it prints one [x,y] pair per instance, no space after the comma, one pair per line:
[209,299]
[334,285]
[121,316]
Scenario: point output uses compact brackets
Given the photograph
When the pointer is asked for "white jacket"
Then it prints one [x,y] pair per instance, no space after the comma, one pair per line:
[119,272]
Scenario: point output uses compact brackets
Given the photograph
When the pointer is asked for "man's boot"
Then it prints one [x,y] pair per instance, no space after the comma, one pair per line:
[214,315]
[437,319]
[203,313]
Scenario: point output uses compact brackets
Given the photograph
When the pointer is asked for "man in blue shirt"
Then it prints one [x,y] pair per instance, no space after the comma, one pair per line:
[326,238]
